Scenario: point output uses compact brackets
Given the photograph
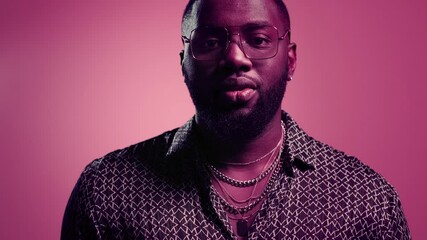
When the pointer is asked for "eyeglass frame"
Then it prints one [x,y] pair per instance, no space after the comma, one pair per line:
[185,39]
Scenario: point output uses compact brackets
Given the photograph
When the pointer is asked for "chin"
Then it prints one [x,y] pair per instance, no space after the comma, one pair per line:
[238,124]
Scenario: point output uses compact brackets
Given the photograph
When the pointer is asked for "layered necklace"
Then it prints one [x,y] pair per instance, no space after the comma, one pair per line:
[236,208]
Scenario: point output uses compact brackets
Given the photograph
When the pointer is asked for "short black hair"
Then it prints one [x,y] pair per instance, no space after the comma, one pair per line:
[189,8]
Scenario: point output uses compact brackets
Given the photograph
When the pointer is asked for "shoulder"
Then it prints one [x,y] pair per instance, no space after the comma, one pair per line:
[349,171]
[144,152]
[108,180]
[359,191]
[336,176]
[128,167]
[333,165]
[344,188]
[346,174]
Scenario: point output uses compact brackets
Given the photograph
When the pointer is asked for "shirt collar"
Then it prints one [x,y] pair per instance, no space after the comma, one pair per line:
[300,146]
[183,138]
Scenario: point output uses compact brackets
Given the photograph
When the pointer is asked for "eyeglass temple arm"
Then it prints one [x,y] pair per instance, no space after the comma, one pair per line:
[284,35]
[185,39]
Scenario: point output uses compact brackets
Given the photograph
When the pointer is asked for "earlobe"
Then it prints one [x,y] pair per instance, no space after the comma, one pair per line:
[292,60]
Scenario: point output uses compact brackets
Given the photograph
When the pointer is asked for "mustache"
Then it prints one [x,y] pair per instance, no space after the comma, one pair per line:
[228,78]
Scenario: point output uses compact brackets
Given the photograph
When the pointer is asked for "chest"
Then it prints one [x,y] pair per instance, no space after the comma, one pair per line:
[294,209]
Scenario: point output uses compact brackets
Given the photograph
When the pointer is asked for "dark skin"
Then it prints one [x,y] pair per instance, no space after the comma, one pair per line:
[206,76]
[252,113]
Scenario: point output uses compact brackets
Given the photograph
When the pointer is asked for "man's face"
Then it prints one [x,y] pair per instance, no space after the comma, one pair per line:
[236,97]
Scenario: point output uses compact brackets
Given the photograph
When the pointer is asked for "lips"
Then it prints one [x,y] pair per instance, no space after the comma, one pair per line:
[236,90]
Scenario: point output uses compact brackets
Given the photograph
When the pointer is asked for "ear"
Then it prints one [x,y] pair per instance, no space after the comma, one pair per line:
[181,56]
[292,60]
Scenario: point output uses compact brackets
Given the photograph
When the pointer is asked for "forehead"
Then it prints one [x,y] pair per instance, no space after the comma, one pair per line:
[236,13]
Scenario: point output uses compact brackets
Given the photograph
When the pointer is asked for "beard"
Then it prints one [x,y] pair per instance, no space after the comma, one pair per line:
[228,124]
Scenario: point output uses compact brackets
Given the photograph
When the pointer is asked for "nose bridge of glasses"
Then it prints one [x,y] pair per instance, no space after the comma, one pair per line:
[235,36]
[236,39]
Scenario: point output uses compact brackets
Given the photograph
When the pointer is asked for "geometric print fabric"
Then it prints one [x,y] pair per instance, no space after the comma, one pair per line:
[160,189]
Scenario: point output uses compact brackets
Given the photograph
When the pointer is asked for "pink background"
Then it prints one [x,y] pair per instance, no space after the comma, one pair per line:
[79,79]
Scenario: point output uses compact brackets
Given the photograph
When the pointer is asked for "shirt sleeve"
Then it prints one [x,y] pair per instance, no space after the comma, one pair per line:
[79,221]
[394,222]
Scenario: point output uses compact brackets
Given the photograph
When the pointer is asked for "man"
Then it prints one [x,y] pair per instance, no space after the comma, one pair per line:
[241,168]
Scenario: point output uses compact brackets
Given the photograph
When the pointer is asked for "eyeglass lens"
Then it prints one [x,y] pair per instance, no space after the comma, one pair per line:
[257,42]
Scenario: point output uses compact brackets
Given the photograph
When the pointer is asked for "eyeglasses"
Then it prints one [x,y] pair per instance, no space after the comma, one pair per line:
[256,41]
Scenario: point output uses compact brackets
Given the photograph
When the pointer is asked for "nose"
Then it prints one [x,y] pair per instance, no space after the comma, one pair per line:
[235,58]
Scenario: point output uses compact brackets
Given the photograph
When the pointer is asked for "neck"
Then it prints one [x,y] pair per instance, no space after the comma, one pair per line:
[242,152]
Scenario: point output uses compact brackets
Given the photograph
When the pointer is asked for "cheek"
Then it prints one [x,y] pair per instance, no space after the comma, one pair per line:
[187,64]
[198,77]
[199,71]
[271,72]
[281,69]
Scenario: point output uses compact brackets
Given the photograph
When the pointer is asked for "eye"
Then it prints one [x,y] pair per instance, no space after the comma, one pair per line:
[211,43]
[259,41]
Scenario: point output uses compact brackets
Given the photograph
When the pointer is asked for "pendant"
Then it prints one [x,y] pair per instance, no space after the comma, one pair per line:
[242,227]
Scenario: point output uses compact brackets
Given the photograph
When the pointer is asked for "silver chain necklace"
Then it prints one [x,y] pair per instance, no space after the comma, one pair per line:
[251,197]
[245,209]
[258,159]
[242,222]
[246,183]
[239,183]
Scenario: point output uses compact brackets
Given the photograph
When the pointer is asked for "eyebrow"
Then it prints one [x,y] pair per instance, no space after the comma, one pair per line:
[256,23]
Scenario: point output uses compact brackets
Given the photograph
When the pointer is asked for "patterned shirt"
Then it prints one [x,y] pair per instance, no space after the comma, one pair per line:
[161,189]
